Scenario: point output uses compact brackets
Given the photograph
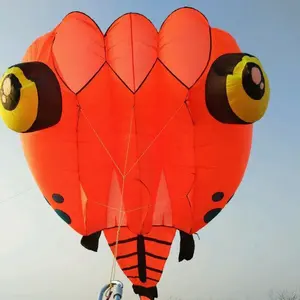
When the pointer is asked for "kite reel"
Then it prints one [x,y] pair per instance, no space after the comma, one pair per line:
[112,291]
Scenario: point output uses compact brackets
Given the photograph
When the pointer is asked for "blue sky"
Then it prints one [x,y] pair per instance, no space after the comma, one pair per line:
[251,248]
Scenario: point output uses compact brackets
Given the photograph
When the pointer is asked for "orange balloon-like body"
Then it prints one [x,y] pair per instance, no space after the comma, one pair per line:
[136,147]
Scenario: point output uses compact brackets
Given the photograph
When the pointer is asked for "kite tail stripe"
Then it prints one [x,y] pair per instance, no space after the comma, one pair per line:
[142,257]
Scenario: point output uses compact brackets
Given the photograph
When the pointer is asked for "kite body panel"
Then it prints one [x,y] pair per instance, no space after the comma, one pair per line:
[134,108]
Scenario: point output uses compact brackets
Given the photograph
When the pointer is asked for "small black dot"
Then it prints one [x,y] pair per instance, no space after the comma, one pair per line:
[218,196]
[64,216]
[230,198]
[58,198]
[211,214]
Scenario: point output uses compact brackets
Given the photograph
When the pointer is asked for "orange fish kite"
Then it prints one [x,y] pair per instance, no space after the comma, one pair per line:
[136,133]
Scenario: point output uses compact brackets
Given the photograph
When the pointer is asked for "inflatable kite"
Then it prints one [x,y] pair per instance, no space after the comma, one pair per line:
[136,133]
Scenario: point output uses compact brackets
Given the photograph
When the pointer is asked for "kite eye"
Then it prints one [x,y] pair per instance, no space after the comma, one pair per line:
[10,92]
[30,97]
[237,89]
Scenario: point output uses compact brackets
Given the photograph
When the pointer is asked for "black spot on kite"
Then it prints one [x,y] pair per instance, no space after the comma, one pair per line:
[211,214]
[65,217]
[218,196]
[58,198]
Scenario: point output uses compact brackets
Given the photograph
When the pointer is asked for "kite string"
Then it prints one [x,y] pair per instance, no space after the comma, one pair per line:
[7,199]
[121,217]
[101,142]
[124,175]
[121,209]
[114,264]
[155,138]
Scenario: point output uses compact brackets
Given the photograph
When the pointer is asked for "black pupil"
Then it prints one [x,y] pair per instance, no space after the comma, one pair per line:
[10,98]
[253,89]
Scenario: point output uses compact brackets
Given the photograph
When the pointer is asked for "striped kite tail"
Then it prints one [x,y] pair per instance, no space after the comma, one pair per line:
[142,257]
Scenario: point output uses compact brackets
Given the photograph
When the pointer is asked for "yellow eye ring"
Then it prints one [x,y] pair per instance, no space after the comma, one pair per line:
[19,98]
[30,97]
[237,89]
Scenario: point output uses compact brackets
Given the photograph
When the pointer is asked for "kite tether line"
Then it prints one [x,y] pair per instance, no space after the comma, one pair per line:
[112,282]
